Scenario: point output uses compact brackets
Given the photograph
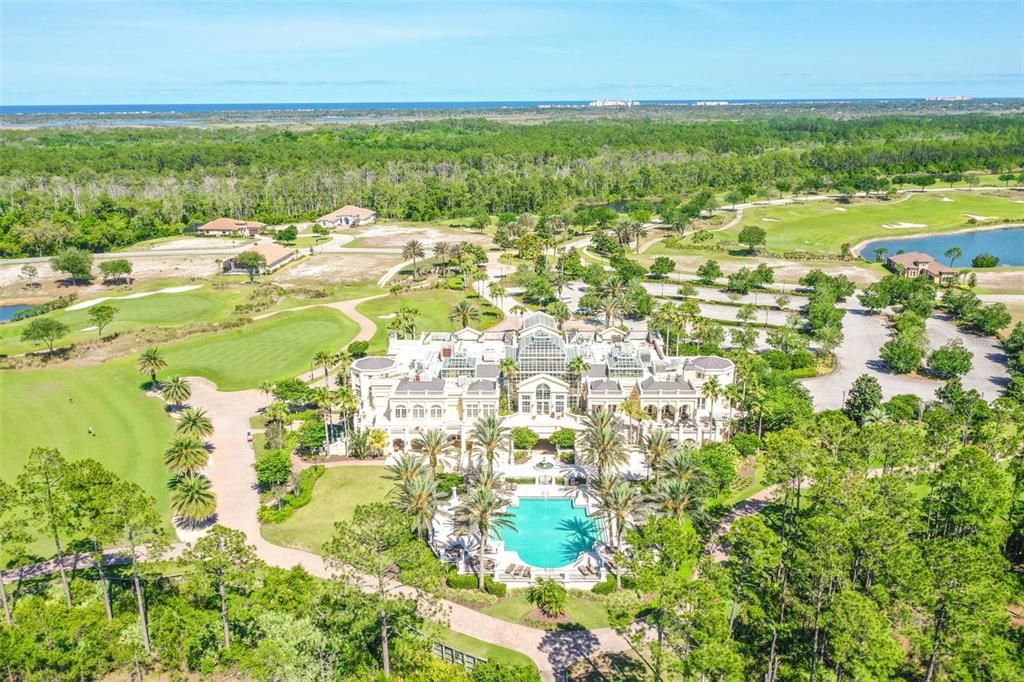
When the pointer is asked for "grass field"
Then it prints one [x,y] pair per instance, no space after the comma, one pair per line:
[818,227]
[515,608]
[56,407]
[431,304]
[275,348]
[335,498]
[164,310]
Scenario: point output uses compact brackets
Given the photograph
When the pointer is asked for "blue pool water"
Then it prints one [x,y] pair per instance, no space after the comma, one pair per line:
[1007,244]
[550,533]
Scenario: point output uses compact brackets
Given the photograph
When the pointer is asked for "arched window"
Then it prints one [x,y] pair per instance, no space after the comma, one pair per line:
[417,412]
[543,394]
[401,412]
[436,412]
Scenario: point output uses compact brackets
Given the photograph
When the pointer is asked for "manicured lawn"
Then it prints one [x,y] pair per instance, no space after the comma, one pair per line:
[818,227]
[274,348]
[165,310]
[335,497]
[56,407]
[476,647]
[515,608]
[432,306]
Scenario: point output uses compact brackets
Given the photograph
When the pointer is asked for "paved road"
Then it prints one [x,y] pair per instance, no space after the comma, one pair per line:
[864,334]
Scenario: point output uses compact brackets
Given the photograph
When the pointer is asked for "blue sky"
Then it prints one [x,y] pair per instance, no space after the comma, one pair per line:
[153,51]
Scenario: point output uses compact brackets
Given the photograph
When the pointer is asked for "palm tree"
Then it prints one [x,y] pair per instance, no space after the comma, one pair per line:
[463,312]
[177,390]
[488,477]
[656,445]
[277,411]
[734,395]
[324,360]
[413,250]
[266,387]
[324,400]
[418,497]
[348,405]
[577,366]
[952,254]
[192,498]
[496,291]
[151,362]
[194,422]
[489,435]
[876,415]
[712,390]
[442,254]
[482,511]
[406,468]
[638,233]
[680,465]
[623,503]
[434,444]
[186,455]
[602,445]
[677,497]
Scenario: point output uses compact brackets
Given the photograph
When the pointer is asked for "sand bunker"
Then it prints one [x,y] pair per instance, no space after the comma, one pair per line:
[770,220]
[902,226]
[839,208]
[981,217]
[97,301]
[945,199]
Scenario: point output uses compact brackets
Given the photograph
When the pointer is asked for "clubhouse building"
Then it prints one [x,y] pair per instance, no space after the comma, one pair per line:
[545,379]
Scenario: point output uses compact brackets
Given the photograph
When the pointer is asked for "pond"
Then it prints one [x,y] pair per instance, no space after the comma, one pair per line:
[7,312]
[1006,243]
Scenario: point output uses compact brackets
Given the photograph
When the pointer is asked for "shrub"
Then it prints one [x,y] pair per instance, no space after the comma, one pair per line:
[273,468]
[357,349]
[520,456]
[524,438]
[494,588]
[563,438]
[777,359]
[802,359]
[606,587]
[491,671]
[803,373]
[549,596]
[462,582]
[985,260]
[447,482]
[747,443]
[297,499]
[55,304]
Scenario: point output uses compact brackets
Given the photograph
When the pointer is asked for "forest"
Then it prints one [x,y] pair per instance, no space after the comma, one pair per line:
[101,189]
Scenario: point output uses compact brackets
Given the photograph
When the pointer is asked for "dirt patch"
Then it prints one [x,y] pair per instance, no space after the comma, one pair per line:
[143,269]
[190,243]
[1000,281]
[396,235]
[338,268]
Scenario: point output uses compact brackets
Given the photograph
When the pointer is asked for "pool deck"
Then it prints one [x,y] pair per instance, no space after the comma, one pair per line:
[505,565]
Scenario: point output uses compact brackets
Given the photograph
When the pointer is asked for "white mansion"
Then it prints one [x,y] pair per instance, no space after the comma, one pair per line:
[544,378]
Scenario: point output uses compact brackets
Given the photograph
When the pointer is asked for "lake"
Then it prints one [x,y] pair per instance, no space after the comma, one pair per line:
[9,311]
[1007,244]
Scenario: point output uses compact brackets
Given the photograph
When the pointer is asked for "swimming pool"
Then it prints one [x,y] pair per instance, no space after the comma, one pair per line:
[550,533]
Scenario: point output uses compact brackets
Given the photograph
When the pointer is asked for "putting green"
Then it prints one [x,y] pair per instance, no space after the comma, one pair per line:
[821,227]
[275,348]
[56,407]
[432,307]
[164,309]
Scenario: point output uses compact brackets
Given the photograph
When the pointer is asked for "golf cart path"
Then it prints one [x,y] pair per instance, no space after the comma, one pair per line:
[234,481]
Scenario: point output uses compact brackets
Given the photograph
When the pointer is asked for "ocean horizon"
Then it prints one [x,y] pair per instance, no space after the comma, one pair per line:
[215,107]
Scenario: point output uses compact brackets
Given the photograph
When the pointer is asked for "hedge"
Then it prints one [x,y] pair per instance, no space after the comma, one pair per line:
[42,309]
[295,500]
[469,581]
